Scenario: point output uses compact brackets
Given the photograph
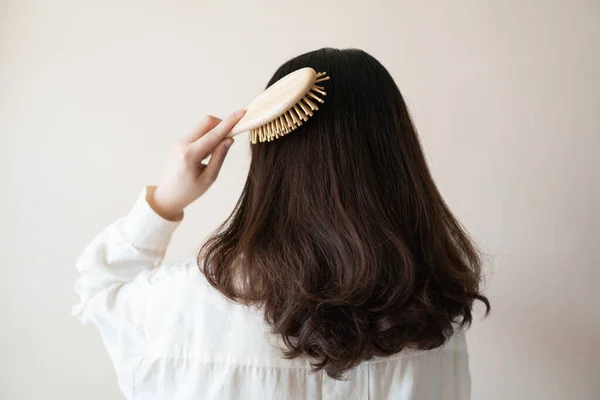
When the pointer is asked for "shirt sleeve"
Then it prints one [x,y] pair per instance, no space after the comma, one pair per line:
[118,271]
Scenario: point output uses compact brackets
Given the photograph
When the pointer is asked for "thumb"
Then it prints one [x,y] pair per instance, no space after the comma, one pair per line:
[216,159]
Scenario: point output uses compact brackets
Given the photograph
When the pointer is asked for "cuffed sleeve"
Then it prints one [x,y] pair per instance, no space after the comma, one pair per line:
[145,229]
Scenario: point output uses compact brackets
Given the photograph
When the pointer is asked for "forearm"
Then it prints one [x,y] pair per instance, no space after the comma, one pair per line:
[124,250]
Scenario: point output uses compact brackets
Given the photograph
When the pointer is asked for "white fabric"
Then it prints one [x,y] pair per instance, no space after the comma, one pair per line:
[172,336]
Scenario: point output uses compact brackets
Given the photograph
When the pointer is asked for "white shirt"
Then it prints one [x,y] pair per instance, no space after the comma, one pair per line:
[172,336]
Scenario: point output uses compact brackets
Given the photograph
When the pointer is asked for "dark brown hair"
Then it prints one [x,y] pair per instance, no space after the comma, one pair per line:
[340,235]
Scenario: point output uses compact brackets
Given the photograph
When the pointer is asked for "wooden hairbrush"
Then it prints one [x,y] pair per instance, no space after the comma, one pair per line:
[283,106]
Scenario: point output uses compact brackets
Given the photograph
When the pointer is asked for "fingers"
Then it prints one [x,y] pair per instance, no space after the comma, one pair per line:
[207,123]
[207,142]
[216,159]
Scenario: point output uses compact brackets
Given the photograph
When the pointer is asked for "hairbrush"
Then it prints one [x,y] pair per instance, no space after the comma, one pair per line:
[283,106]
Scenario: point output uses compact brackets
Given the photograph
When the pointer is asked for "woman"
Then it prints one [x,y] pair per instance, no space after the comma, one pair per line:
[341,273]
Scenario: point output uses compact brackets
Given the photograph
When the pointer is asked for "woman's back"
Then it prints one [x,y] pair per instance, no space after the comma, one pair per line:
[195,344]
[236,357]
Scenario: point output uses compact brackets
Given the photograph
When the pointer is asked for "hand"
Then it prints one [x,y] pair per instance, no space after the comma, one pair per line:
[186,177]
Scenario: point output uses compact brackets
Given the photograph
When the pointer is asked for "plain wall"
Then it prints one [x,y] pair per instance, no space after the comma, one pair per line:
[505,95]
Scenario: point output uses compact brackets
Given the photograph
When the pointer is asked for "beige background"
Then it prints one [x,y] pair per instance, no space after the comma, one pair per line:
[506,95]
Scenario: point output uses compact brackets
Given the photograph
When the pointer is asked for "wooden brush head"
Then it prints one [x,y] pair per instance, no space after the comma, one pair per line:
[283,106]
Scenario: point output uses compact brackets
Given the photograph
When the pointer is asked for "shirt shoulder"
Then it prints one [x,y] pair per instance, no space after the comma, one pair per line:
[187,318]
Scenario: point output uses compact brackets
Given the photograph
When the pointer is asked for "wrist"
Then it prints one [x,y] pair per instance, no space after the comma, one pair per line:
[163,208]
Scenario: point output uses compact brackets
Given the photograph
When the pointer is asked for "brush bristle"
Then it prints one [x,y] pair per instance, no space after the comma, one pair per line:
[292,118]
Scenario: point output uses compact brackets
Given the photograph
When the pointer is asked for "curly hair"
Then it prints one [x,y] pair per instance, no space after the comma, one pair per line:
[341,236]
